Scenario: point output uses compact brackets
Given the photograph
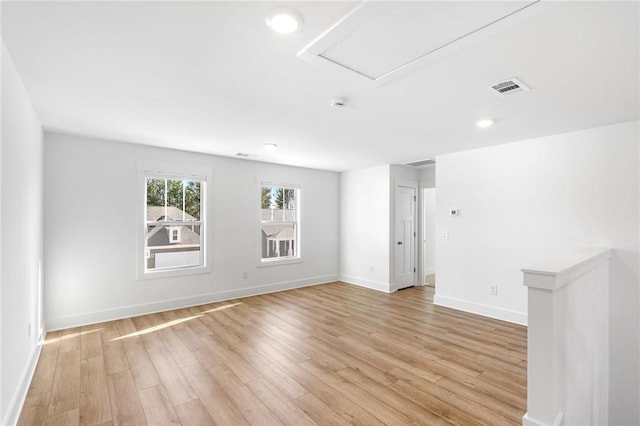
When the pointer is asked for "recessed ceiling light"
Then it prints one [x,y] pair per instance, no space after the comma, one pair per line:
[484,123]
[284,21]
[270,146]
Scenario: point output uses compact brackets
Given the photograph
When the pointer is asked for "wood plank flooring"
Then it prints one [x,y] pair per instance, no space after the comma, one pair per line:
[332,354]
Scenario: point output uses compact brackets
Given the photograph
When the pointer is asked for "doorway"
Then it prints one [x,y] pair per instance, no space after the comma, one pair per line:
[405,237]
[429,236]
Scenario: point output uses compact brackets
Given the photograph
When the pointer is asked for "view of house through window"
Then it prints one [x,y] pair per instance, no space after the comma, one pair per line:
[279,222]
[174,226]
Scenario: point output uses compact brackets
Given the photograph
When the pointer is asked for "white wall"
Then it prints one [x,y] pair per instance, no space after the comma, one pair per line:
[527,201]
[365,227]
[90,231]
[427,176]
[429,231]
[20,239]
[367,200]
[427,180]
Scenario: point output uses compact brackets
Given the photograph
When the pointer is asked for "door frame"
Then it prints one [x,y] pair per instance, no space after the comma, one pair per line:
[423,232]
[392,234]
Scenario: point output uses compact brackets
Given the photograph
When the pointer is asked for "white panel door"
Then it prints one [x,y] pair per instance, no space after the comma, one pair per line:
[405,237]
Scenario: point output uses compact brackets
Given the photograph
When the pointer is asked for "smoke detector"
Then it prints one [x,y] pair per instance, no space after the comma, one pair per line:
[509,87]
[338,103]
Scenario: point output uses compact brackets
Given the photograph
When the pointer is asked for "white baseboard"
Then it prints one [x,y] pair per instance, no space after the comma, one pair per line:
[528,421]
[395,287]
[484,310]
[429,271]
[18,398]
[373,285]
[69,321]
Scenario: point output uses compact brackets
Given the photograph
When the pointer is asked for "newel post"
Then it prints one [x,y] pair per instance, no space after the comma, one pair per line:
[547,347]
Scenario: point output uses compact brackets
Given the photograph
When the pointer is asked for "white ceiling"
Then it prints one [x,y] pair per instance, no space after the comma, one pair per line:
[212,77]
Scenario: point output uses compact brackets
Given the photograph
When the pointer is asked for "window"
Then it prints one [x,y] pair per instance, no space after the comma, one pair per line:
[279,220]
[174,223]
[174,234]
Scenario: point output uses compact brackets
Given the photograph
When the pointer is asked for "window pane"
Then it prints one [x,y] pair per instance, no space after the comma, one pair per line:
[278,241]
[175,200]
[182,199]
[176,243]
[289,199]
[173,246]
[155,192]
[192,199]
[278,204]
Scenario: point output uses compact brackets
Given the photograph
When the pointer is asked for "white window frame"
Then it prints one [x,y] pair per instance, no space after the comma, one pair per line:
[284,260]
[146,169]
[177,230]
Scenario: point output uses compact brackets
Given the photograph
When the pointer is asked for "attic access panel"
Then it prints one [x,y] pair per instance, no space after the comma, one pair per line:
[377,39]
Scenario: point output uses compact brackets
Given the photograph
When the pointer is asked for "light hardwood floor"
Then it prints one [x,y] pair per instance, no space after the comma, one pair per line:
[331,354]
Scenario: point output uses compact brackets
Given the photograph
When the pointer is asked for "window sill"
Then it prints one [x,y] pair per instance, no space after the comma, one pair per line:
[275,261]
[171,273]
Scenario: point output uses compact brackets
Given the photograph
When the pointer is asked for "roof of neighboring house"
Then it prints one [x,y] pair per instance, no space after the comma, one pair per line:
[161,238]
[279,232]
[278,215]
[173,213]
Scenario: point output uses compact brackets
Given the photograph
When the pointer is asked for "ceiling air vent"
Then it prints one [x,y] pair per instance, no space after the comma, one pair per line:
[420,163]
[509,87]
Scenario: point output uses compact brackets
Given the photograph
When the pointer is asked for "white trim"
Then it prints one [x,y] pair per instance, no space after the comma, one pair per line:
[164,169]
[174,272]
[395,287]
[403,183]
[277,261]
[20,395]
[362,282]
[62,322]
[178,234]
[180,170]
[362,13]
[283,260]
[429,271]
[559,271]
[479,309]
[528,421]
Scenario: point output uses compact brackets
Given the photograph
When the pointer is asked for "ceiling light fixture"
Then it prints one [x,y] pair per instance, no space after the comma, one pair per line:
[270,146]
[284,21]
[484,123]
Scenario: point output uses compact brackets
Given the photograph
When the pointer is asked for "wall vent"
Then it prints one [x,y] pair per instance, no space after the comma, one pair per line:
[245,155]
[509,87]
[420,163]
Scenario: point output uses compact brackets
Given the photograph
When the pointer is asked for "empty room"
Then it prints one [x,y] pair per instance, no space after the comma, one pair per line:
[320,213]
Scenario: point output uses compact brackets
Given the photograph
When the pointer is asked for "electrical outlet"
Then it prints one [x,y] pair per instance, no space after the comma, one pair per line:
[445,236]
[29,330]
[494,290]
[371,268]
[245,275]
